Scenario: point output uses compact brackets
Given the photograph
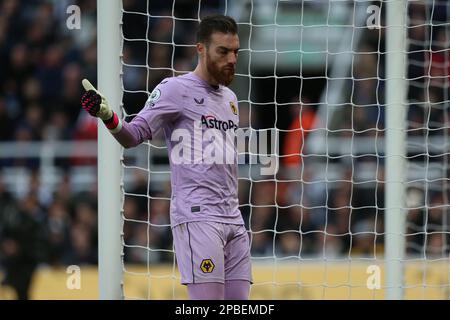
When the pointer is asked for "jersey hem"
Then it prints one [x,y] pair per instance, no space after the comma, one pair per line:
[208,220]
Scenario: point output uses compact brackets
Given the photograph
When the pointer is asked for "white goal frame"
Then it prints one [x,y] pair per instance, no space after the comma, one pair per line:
[110,200]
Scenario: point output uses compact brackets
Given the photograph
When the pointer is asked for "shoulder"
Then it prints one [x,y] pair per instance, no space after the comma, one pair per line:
[230,93]
[168,89]
[171,83]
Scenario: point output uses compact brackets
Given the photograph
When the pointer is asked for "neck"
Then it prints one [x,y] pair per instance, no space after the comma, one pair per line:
[204,75]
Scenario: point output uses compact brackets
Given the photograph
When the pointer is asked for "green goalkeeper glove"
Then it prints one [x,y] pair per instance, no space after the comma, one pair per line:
[95,103]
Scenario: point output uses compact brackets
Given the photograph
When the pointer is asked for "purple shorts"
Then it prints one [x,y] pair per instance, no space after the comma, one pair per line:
[212,252]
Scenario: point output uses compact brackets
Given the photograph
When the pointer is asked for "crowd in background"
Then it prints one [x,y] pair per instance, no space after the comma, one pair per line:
[43,63]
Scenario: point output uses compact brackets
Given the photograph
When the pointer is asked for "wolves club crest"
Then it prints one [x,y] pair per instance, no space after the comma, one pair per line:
[207,266]
[233,108]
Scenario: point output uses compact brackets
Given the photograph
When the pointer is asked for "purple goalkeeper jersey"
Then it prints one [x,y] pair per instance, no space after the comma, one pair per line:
[197,120]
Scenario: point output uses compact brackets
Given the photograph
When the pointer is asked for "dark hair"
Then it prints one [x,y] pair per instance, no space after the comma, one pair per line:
[215,23]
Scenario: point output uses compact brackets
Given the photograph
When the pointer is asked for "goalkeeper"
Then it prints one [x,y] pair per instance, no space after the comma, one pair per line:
[211,242]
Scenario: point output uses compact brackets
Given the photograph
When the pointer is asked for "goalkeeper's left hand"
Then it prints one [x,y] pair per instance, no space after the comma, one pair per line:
[95,103]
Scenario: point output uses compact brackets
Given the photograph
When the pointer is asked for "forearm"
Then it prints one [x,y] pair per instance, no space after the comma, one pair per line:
[128,134]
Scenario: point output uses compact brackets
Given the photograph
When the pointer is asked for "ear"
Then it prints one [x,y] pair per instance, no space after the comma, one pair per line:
[200,48]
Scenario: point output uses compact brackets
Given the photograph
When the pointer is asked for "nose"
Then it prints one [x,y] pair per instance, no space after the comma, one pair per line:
[232,58]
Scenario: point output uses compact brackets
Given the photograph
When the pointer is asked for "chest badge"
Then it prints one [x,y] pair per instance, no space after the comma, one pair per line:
[199,101]
[233,108]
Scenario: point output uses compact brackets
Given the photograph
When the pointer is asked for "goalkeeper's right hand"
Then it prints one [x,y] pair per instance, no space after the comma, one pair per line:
[96,104]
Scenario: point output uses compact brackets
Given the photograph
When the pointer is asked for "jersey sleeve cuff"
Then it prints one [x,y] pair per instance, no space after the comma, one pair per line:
[114,124]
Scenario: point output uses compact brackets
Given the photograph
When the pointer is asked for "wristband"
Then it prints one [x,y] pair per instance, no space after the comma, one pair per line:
[113,124]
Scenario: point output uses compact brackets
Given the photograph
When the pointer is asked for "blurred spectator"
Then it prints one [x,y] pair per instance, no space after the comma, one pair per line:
[36,188]
[329,243]
[49,73]
[32,91]
[130,215]
[58,226]
[58,128]
[415,223]
[290,244]
[418,46]
[81,250]
[438,225]
[364,239]
[263,212]
[303,117]
[86,217]
[262,244]
[32,121]
[69,104]
[23,244]
[366,109]
[6,125]
[298,232]
[143,246]
[440,60]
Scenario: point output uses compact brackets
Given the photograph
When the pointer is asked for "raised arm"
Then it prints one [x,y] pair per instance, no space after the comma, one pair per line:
[161,109]
[127,134]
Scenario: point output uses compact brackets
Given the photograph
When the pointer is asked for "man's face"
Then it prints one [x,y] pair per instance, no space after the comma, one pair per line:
[220,57]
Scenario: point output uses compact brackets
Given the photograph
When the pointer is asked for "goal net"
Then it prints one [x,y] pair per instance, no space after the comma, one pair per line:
[316,75]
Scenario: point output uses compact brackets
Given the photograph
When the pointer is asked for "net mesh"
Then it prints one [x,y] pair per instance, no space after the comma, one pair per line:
[312,72]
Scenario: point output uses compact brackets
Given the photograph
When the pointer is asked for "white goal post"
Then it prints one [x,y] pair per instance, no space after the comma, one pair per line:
[110,195]
[395,146]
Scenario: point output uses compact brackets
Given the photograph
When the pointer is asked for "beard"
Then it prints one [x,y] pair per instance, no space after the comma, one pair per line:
[224,75]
